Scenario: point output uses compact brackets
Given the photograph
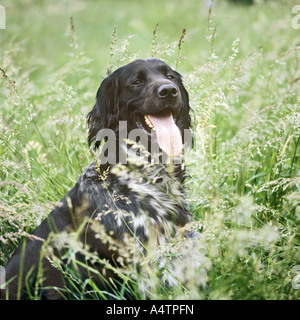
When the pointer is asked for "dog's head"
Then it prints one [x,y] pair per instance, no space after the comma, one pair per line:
[148,95]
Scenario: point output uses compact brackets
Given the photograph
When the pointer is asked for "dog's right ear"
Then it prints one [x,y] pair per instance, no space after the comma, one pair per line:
[105,113]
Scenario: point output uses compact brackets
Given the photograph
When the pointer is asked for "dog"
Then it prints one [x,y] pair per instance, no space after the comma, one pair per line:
[141,199]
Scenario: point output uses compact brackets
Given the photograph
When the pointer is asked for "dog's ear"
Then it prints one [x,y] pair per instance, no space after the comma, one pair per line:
[184,119]
[105,113]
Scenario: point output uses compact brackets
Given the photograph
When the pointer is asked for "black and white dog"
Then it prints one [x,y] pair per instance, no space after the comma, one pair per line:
[142,199]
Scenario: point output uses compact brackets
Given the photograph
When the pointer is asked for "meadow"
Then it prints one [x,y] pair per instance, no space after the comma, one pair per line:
[241,66]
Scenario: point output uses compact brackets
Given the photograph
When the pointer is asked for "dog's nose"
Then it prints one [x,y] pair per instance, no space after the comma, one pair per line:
[167,91]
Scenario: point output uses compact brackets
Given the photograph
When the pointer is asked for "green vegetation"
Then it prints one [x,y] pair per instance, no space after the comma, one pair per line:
[241,65]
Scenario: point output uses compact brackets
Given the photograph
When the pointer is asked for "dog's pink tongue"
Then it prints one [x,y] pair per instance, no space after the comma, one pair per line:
[168,134]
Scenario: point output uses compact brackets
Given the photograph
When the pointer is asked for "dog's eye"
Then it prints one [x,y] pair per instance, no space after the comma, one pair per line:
[170,77]
[137,82]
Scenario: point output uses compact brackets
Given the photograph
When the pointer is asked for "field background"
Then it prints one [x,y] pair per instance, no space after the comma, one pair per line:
[241,65]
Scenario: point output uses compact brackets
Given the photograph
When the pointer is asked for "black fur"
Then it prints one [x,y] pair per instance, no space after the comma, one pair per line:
[133,200]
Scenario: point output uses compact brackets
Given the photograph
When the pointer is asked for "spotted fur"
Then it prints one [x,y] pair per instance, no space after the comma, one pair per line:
[143,201]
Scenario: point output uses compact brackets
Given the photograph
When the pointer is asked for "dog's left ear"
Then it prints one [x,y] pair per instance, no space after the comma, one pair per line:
[105,113]
[184,119]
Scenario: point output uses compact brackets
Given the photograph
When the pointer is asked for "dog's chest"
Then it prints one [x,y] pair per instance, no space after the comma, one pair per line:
[144,205]
[151,205]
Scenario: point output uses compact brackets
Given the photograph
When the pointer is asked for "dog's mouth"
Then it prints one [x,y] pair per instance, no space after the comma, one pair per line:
[168,134]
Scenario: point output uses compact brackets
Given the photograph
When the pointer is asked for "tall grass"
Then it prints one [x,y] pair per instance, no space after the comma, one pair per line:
[243,189]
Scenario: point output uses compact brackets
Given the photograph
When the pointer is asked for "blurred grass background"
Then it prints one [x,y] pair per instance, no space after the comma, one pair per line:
[241,66]
[43,26]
